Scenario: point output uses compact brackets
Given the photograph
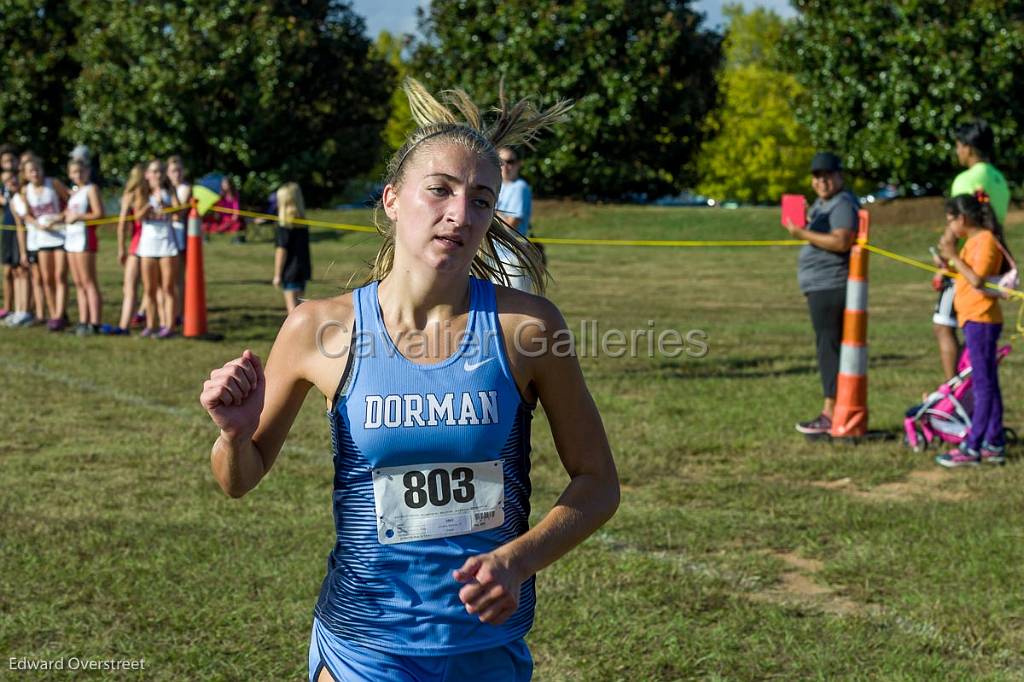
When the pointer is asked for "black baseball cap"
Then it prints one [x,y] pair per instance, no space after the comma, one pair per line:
[826,161]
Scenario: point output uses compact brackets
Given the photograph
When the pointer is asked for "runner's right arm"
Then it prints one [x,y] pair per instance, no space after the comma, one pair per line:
[255,409]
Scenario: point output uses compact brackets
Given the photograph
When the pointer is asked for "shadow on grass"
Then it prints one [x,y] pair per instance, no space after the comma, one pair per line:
[240,282]
[749,368]
[259,326]
[326,235]
[262,309]
[890,434]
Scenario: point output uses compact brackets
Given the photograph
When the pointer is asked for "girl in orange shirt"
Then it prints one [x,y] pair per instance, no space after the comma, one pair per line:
[984,254]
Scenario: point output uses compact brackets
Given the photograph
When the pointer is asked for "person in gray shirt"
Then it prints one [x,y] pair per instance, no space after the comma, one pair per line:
[822,271]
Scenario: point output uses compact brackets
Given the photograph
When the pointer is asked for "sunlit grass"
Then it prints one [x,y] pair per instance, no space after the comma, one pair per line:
[116,543]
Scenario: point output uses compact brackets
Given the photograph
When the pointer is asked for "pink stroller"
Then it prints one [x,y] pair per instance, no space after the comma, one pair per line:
[945,415]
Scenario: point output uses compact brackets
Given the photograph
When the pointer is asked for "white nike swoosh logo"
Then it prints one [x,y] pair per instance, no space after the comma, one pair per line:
[470,366]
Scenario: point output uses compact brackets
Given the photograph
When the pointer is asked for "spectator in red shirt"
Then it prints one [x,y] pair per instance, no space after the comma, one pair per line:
[215,221]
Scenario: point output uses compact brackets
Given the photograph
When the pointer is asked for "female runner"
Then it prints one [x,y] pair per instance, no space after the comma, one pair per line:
[431,374]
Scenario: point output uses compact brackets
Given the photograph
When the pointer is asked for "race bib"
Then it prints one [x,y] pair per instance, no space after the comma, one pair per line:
[427,501]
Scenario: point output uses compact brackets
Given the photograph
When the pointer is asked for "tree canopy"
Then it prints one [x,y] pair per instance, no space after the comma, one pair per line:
[276,90]
[400,124]
[759,149]
[887,82]
[640,71]
[35,40]
[268,91]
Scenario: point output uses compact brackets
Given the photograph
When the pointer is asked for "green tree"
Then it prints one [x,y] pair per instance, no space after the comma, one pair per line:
[759,150]
[887,82]
[389,48]
[268,91]
[38,71]
[640,72]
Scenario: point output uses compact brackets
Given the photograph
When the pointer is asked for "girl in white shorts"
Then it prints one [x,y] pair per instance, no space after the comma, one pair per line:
[157,250]
[127,240]
[176,174]
[22,269]
[46,198]
[81,244]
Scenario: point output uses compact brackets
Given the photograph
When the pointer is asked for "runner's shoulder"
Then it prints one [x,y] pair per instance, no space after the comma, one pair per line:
[316,321]
[528,315]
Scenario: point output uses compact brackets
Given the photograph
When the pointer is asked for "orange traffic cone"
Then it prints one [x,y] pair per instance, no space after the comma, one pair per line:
[850,418]
[195,282]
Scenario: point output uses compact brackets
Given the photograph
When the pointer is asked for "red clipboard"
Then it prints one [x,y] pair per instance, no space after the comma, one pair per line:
[794,208]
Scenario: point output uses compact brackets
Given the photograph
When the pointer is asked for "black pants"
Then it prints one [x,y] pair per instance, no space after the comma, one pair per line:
[827,318]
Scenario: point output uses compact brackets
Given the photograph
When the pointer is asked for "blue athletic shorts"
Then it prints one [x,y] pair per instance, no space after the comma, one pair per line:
[347,662]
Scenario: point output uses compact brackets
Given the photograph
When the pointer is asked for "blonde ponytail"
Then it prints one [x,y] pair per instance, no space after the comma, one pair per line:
[437,120]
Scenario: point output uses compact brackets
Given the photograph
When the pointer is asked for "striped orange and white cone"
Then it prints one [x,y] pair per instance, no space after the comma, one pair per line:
[195,282]
[850,418]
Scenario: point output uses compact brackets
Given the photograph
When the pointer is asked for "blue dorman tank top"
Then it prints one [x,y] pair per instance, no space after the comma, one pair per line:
[431,467]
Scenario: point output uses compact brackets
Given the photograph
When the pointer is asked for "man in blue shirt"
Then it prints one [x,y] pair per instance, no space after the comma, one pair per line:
[515,201]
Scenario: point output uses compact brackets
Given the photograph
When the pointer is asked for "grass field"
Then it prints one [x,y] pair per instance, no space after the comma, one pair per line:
[740,551]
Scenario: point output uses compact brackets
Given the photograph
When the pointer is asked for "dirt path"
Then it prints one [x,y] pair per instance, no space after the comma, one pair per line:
[926,483]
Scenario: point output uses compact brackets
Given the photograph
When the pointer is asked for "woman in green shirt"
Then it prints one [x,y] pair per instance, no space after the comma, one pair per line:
[974,145]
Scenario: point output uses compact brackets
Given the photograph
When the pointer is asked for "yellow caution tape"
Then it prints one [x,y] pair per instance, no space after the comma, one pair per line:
[111,220]
[669,242]
[684,243]
[538,240]
[297,221]
[1012,293]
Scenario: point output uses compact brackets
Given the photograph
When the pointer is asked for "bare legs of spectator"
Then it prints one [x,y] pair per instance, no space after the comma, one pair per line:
[949,349]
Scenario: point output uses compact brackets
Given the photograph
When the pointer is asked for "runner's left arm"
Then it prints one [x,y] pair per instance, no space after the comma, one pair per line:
[95,204]
[493,580]
[62,192]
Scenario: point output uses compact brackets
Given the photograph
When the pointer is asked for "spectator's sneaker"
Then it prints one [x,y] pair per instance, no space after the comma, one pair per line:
[83,329]
[993,454]
[4,312]
[26,320]
[138,320]
[962,456]
[818,425]
[165,333]
[148,332]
